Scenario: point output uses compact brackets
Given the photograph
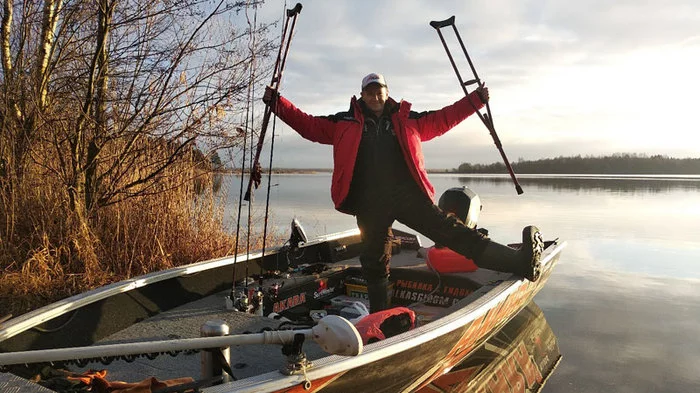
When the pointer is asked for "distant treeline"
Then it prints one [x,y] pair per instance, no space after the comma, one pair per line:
[280,170]
[633,164]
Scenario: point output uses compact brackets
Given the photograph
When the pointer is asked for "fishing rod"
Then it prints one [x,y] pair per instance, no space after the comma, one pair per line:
[255,170]
[487,119]
[248,126]
[238,301]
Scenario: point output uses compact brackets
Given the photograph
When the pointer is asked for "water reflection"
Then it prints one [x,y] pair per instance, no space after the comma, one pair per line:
[624,299]
[519,358]
[603,183]
[201,183]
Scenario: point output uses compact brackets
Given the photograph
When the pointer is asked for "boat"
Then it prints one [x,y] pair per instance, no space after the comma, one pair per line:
[289,324]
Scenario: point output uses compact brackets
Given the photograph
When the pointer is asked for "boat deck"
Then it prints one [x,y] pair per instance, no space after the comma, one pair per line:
[185,322]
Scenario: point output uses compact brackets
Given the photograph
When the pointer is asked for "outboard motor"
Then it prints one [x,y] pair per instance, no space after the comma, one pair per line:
[464,203]
[466,206]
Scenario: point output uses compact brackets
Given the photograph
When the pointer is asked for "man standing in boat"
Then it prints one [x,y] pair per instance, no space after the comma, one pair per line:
[379,177]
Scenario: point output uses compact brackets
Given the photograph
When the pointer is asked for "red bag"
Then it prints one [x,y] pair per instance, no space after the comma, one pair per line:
[444,260]
[386,323]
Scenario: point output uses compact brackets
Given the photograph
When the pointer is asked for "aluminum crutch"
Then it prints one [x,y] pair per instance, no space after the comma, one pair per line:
[255,171]
[487,119]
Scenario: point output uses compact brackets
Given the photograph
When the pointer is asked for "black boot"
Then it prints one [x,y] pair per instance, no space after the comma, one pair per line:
[377,294]
[524,262]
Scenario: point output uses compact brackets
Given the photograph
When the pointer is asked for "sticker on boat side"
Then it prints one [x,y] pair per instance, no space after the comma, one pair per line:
[516,373]
[422,286]
[292,301]
[324,292]
[427,298]
[476,331]
[418,291]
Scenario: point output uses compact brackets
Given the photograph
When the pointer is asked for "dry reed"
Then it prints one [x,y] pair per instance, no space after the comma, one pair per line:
[134,237]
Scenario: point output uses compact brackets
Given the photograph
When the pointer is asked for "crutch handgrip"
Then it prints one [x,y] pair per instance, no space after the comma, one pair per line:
[472,81]
[447,22]
[295,10]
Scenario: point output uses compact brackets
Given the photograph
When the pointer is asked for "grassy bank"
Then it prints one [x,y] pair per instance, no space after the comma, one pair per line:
[54,255]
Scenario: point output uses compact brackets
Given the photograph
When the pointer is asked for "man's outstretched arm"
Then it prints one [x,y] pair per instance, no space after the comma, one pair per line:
[436,123]
[313,128]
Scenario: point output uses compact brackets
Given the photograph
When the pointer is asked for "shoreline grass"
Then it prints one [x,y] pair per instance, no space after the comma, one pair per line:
[128,239]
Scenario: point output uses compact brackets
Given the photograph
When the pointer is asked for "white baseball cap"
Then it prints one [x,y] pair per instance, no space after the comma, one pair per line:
[373,78]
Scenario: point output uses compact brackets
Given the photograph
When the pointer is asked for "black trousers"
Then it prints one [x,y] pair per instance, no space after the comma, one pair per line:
[408,205]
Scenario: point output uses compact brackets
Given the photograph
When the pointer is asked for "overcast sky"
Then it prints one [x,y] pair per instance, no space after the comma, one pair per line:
[587,77]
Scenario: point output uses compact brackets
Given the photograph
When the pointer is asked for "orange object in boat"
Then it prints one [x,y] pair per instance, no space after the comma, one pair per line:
[380,325]
[444,260]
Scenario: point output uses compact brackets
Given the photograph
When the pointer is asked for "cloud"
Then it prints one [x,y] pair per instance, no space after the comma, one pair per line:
[588,77]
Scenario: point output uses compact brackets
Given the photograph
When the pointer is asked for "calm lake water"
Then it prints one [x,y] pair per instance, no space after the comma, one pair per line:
[624,301]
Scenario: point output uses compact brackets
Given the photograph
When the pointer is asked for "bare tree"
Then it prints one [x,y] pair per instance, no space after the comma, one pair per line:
[104,99]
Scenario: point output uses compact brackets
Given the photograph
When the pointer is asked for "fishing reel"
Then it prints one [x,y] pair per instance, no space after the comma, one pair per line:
[255,301]
[237,300]
[247,301]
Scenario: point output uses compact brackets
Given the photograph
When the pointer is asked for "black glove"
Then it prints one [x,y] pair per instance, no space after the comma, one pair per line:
[483,93]
[270,93]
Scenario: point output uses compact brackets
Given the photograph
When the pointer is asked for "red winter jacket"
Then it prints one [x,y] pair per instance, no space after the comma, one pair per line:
[344,131]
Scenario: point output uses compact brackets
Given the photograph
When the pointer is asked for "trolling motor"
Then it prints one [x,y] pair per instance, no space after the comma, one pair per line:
[298,236]
[296,240]
[334,334]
